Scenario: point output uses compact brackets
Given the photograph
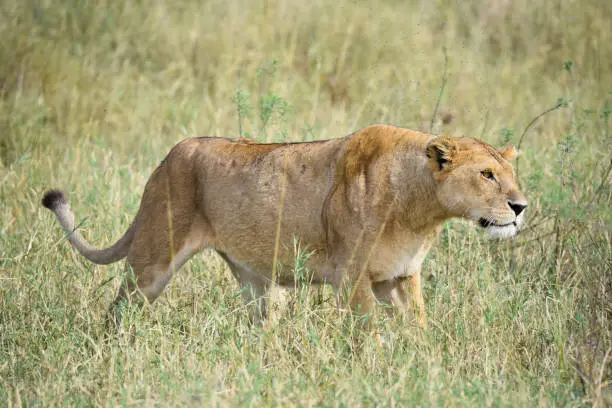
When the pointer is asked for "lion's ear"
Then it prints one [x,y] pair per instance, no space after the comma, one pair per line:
[509,152]
[441,151]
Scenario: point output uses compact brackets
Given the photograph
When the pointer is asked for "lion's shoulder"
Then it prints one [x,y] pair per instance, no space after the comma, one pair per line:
[376,142]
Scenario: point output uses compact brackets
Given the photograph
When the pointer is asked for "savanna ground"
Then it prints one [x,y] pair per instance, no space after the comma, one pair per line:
[94,94]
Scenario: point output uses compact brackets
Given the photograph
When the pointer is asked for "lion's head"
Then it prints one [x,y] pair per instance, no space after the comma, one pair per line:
[476,181]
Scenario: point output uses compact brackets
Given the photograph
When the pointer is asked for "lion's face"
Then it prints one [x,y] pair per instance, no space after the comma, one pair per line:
[476,181]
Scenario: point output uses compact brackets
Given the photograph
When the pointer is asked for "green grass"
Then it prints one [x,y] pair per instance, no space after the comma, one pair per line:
[92,97]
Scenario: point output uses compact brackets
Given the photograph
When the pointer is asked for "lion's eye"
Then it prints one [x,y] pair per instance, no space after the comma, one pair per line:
[488,174]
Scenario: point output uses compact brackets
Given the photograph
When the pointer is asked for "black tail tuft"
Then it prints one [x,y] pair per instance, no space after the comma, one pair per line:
[54,198]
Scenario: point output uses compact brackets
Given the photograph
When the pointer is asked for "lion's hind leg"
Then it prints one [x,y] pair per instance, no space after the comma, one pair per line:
[164,241]
[253,287]
[146,278]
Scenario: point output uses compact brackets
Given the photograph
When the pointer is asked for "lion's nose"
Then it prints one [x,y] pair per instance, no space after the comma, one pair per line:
[517,207]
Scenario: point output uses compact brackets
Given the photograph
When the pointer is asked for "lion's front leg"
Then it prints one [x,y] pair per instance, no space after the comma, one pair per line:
[361,298]
[417,298]
[396,296]
[393,294]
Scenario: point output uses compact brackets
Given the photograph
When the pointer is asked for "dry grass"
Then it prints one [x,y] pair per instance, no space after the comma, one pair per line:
[93,95]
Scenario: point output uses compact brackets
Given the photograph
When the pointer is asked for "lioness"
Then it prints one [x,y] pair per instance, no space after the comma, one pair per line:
[368,206]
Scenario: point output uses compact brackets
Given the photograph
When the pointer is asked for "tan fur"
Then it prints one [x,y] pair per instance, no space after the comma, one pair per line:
[368,207]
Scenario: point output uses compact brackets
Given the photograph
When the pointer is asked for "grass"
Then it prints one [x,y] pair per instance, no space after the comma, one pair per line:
[93,95]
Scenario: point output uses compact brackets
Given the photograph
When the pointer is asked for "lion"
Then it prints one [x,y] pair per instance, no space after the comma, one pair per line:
[368,207]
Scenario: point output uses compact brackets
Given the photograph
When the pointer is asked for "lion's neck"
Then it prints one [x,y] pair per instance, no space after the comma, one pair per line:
[417,206]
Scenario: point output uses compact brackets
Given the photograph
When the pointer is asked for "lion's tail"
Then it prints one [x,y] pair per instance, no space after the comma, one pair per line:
[56,201]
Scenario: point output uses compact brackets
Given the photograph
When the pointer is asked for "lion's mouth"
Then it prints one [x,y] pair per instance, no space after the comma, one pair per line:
[484,223]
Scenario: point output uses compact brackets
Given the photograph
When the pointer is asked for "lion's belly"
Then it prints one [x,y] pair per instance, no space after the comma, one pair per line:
[245,220]
[292,267]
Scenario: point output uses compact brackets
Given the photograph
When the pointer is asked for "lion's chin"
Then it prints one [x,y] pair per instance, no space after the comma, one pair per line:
[502,232]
